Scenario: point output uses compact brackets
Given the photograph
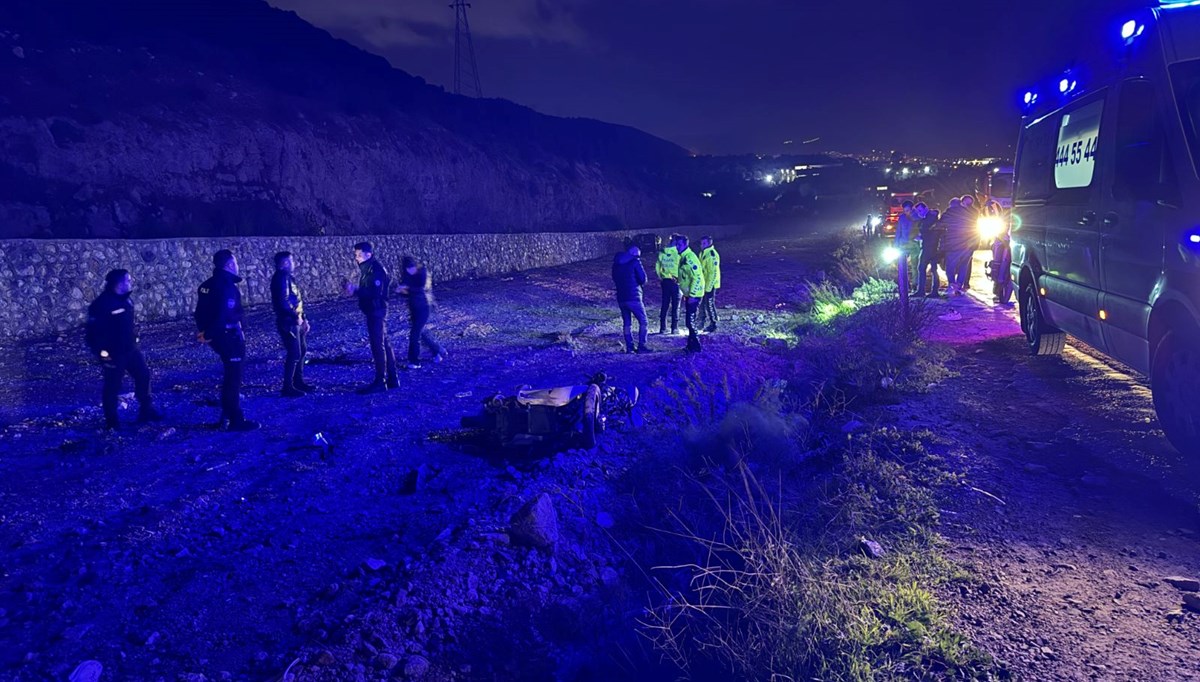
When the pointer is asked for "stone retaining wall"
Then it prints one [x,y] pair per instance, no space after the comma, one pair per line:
[46,285]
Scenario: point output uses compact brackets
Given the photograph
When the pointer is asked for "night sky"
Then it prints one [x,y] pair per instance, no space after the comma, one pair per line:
[730,76]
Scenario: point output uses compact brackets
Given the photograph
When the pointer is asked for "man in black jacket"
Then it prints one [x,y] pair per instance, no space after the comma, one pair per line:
[629,277]
[293,326]
[372,293]
[218,318]
[416,286]
[111,335]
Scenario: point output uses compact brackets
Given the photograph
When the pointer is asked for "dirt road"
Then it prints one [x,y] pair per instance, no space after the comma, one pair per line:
[1096,507]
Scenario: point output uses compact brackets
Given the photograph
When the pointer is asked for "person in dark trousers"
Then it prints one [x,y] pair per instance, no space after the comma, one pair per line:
[218,318]
[111,335]
[416,285]
[629,278]
[372,293]
[960,241]
[691,286]
[931,232]
[293,327]
[710,262]
[667,269]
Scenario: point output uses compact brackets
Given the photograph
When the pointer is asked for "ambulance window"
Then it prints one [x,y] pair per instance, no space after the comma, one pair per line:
[1186,77]
[1036,170]
[1078,141]
[1143,165]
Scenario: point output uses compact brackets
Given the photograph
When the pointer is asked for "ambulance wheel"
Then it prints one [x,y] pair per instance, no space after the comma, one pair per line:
[1040,337]
[1175,387]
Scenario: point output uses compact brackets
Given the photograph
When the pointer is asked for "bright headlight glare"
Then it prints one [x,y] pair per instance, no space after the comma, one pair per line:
[990,227]
[891,254]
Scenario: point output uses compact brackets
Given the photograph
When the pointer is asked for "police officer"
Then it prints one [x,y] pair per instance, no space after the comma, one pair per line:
[111,335]
[691,286]
[218,318]
[710,262]
[372,293]
[292,325]
[667,269]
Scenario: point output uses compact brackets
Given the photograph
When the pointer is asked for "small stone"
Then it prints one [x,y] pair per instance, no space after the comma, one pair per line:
[325,658]
[416,667]
[1184,584]
[609,576]
[1175,616]
[604,520]
[375,564]
[1192,602]
[870,548]
[536,523]
[386,661]
[88,671]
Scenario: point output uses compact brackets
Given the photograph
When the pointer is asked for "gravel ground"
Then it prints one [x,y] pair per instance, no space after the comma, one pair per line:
[178,552]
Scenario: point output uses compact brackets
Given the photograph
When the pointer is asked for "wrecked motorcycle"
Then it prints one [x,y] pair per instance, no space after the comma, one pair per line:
[560,417]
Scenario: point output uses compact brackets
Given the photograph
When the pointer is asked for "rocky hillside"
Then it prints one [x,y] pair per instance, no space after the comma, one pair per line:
[143,118]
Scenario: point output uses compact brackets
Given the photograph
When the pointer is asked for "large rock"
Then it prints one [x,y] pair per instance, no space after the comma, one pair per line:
[536,523]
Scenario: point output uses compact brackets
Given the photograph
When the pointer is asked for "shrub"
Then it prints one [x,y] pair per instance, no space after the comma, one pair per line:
[779,594]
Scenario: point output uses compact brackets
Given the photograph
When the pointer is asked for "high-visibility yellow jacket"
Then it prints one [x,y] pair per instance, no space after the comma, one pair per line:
[667,265]
[691,275]
[711,262]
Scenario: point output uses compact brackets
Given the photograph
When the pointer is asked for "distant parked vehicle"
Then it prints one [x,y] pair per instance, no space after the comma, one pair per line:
[1105,236]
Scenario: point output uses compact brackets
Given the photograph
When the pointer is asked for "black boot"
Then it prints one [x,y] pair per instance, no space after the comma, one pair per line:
[147,413]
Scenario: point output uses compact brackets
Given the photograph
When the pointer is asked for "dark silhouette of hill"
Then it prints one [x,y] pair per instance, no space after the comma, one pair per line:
[159,118]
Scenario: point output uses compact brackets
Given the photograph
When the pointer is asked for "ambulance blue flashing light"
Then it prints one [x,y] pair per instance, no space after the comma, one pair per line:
[1067,85]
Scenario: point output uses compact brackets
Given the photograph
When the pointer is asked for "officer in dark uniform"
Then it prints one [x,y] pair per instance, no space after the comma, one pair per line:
[372,293]
[219,319]
[111,335]
[293,326]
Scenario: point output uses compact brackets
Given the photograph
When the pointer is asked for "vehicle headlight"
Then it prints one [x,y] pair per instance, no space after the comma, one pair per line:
[875,220]
[891,254]
[990,227]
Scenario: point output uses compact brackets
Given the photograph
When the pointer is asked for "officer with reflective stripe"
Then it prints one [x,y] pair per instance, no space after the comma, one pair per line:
[667,269]
[218,317]
[711,265]
[111,335]
[691,286]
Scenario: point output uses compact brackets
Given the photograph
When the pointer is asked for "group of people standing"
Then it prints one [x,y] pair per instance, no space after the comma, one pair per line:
[111,332]
[684,276]
[948,239]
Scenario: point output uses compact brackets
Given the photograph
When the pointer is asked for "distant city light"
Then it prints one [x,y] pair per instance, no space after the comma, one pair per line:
[927,170]
[769,179]
[707,195]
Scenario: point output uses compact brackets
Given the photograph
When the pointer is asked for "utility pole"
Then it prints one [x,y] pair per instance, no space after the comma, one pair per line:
[466,72]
